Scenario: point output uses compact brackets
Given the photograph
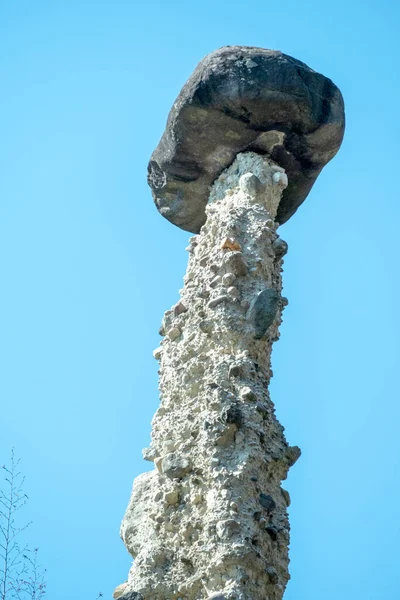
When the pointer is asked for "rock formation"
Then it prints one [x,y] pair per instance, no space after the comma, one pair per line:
[245,99]
[210,520]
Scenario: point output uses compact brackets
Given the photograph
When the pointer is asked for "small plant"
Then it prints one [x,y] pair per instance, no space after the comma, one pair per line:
[21,576]
[33,585]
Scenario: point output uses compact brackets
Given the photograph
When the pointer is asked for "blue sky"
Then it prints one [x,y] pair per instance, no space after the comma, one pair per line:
[88,267]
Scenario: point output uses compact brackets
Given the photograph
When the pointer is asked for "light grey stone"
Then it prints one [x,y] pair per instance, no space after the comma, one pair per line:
[233,291]
[206,326]
[280,179]
[174,333]
[149,454]
[215,282]
[235,262]
[175,466]
[228,279]
[157,353]
[250,184]
[172,497]
[119,590]
[248,395]
[226,529]
[223,298]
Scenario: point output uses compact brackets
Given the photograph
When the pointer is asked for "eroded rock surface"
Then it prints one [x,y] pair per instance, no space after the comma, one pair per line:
[210,521]
[240,99]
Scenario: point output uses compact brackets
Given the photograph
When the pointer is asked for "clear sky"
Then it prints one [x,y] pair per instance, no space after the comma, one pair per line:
[88,267]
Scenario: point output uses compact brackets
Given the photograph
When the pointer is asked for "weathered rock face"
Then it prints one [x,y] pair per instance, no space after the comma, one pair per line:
[245,99]
[210,521]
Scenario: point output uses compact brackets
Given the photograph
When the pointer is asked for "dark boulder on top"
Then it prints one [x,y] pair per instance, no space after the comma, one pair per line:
[241,99]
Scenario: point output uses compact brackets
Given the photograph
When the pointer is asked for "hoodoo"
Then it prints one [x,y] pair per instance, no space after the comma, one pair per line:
[244,143]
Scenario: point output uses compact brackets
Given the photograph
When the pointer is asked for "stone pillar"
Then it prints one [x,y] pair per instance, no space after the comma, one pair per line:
[210,520]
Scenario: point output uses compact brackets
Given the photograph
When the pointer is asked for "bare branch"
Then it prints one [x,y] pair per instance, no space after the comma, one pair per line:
[21,577]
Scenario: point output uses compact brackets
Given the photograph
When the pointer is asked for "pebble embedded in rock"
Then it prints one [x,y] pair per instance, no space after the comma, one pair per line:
[286,496]
[202,293]
[226,529]
[206,326]
[228,279]
[157,353]
[149,454]
[166,322]
[215,282]
[262,408]
[280,248]
[293,454]
[233,291]
[131,596]
[272,575]
[179,309]
[172,497]
[175,466]
[169,446]
[230,244]
[267,502]
[234,371]
[250,184]
[213,303]
[263,311]
[280,179]
[248,395]
[174,333]
[119,591]
[158,463]
[197,498]
[235,263]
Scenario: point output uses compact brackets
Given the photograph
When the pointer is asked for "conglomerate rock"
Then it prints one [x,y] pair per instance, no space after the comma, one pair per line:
[240,99]
[210,520]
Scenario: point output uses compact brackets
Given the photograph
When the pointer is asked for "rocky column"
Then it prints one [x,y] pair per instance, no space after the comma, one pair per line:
[210,520]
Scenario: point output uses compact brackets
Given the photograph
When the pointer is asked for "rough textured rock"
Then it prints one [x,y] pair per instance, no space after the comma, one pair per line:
[210,521]
[245,99]
[119,591]
[263,310]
